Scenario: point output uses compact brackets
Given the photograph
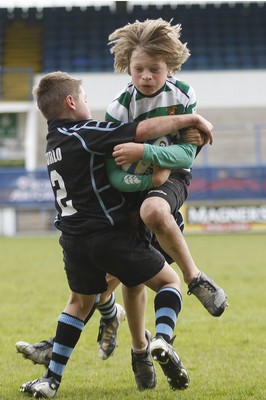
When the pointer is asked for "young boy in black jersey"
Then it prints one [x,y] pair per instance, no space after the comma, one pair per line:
[96,236]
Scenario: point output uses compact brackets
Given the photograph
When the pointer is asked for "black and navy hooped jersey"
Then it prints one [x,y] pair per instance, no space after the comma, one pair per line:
[75,156]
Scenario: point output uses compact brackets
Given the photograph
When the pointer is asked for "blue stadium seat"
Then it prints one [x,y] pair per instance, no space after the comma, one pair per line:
[220,36]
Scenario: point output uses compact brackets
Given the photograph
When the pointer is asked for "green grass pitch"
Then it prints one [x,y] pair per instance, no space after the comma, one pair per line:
[225,357]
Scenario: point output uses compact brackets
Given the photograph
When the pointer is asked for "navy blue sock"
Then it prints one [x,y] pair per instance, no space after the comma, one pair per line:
[167,304]
[108,309]
[68,332]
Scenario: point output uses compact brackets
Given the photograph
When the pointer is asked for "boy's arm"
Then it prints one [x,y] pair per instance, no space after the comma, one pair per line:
[176,156]
[125,182]
[171,124]
[173,157]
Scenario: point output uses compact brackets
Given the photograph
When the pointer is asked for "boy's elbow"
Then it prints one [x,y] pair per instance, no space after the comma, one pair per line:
[157,181]
[190,157]
[140,135]
[189,163]
[145,130]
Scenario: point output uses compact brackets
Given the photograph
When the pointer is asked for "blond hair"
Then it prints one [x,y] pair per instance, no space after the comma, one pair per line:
[158,38]
[52,92]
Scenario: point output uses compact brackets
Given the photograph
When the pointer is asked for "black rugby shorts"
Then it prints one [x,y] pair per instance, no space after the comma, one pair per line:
[174,191]
[118,251]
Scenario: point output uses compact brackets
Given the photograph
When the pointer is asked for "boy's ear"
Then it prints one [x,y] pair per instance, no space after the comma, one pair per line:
[70,101]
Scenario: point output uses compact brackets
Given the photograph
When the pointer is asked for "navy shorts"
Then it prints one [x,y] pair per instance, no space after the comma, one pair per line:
[118,251]
[174,191]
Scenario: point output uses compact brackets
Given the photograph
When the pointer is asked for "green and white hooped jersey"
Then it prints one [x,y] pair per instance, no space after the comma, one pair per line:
[175,98]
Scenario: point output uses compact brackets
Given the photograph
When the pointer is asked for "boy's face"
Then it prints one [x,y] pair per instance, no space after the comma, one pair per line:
[148,73]
[82,108]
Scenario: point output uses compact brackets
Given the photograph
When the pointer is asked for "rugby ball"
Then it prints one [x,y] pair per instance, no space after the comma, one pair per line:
[145,167]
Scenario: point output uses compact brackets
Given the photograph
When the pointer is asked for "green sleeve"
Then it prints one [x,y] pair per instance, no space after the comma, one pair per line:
[173,157]
[125,182]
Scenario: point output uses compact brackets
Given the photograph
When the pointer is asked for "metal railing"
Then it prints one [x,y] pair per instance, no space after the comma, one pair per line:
[235,145]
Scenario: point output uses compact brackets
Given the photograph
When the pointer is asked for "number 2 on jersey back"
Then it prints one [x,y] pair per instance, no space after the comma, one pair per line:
[61,194]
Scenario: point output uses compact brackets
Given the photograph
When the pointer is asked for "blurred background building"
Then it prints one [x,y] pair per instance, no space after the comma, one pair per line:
[227,68]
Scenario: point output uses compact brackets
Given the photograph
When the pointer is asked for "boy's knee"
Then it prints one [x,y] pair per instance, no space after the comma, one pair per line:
[152,216]
[155,216]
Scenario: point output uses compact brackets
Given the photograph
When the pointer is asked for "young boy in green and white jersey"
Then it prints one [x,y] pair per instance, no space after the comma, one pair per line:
[151,53]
